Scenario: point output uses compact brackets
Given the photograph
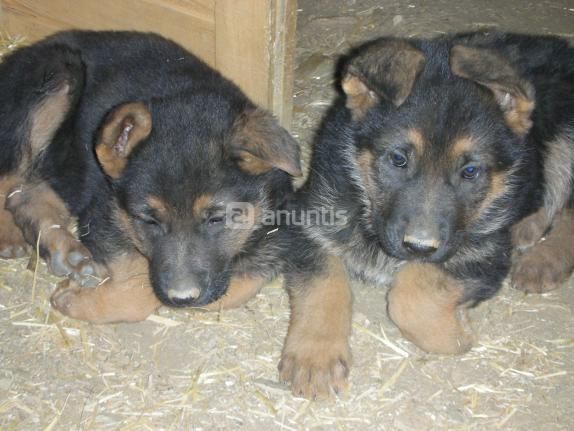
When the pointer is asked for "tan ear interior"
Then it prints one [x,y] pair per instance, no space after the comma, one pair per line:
[126,127]
[386,69]
[514,95]
[259,144]
[359,98]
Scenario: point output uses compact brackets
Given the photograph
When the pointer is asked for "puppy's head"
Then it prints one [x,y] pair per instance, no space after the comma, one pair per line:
[439,133]
[193,176]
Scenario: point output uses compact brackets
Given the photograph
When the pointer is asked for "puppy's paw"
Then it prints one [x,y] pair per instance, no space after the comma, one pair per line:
[541,269]
[424,304]
[316,369]
[529,230]
[70,300]
[10,250]
[68,257]
[12,243]
[448,334]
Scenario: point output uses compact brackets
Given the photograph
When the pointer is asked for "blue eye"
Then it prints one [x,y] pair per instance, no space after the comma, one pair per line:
[470,172]
[398,159]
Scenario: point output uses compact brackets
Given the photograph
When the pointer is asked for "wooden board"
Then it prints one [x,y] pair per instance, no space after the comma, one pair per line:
[282,65]
[255,45]
[188,23]
[249,41]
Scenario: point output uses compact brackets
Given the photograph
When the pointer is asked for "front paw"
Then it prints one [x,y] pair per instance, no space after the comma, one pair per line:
[10,250]
[12,243]
[68,299]
[316,369]
[529,230]
[424,304]
[541,269]
[68,257]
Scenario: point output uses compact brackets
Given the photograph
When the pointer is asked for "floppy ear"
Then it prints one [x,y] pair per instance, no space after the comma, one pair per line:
[259,144]
[385,69]
[514,95]
[124,128]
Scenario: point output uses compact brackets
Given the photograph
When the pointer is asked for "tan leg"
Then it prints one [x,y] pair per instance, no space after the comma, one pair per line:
[12,242]
[549,263]
[40,212]
[44,119]
[316,355]
[241,289]
[424,304]
[127,296]
[530,230]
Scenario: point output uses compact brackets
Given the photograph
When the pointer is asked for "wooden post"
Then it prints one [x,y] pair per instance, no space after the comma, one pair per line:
[254,46]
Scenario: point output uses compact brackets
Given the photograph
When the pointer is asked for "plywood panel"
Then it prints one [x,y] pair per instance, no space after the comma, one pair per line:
[189,22]
[249,41]
[241,45]
[254,47]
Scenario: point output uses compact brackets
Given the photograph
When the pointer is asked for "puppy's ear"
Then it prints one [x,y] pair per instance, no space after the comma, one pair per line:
[124,128]
[385,69]
[258,144]
[514,95]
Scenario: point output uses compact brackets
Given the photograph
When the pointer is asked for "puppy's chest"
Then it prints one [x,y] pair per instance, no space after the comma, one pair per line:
[364,261]
[372,268]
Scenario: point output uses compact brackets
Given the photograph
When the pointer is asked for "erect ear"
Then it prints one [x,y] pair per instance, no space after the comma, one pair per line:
[259,144]
[514,95]
[123,129]
[384,69]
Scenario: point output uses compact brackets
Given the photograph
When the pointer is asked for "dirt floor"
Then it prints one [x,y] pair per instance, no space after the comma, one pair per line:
[186,369]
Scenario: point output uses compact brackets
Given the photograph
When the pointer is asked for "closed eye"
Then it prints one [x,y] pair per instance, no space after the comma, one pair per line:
[151,224]
[215,220]
[147,219]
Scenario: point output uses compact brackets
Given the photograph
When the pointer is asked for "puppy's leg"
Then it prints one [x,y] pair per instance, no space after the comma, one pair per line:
[43,119]
[43,218]
[424,304]
[12,242]
[549,263]
[316,355]
[530,230]
[126,296]
[241,289]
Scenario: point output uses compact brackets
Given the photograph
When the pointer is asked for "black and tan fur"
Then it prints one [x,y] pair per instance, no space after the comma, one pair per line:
[437,149]
[141,147]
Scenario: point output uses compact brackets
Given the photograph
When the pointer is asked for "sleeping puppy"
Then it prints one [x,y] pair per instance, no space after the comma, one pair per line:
[165,167]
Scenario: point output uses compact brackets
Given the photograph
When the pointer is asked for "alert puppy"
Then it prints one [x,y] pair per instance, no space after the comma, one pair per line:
[445,155]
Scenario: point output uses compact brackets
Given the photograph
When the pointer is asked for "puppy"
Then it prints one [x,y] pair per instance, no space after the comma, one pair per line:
[442,156]
[145,149]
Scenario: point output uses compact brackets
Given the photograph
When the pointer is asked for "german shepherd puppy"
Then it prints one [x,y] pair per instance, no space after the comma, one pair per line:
[444,155]
[145,146]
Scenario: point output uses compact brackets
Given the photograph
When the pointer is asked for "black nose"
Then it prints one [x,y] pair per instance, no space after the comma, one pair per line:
[420,247]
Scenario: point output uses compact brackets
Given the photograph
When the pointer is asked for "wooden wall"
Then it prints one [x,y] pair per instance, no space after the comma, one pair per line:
[249,41]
